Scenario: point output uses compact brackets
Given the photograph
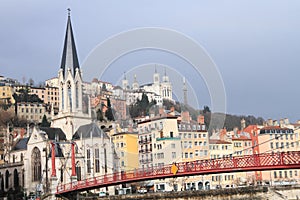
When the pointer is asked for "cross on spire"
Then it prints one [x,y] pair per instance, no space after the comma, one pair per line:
[69,11]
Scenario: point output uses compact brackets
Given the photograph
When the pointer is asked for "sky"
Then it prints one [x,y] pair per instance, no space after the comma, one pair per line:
[254,44]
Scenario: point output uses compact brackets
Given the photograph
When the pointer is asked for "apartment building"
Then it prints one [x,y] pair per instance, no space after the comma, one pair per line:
[276,139]
[33,112]
[126,146]
[6,93]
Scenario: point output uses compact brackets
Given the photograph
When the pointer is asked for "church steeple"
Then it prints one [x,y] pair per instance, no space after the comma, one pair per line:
[69,58]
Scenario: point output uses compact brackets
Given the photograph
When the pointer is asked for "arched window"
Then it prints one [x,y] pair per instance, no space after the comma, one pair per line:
[78,171]
[77,93]
[6,179]
[36,164]
[62,96]
[61,174]
[69,94]
[16,179]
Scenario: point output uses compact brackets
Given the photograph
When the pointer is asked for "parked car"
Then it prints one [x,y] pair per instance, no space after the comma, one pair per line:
[142,191]
[102,194]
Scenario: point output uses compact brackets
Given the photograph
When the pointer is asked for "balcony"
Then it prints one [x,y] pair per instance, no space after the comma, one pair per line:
[167,138]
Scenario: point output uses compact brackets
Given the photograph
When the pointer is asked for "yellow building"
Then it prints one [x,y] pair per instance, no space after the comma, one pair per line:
[6,93]
[126,145]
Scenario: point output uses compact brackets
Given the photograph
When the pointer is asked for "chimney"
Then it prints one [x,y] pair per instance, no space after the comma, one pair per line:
[172,110]
[270,122]
[286,121]
[161,112]
[200,119]
[185,116]
[281,122]
[243,124]
[275,123]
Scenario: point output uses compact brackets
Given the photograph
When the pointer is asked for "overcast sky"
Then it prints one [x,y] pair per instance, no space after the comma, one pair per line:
[255,45]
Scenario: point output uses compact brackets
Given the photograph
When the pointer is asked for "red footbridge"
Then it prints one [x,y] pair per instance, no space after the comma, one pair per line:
[256,162]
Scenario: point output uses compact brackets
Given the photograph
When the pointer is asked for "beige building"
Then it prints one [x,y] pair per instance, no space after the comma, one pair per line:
[159,142]
[195,146]
[276,139]
[221,149]
[32,112]
[49,95]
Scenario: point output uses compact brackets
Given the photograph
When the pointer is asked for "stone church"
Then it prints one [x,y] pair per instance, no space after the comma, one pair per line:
[72,149]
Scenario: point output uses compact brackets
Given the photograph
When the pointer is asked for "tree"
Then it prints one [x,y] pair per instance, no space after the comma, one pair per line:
[109,112]
[206,109]
[104,87]
[45,122]
[31,82]
[100,115]
[141,107]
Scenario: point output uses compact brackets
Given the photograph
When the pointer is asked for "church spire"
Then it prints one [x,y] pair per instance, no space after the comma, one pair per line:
[69,58]
[185,101]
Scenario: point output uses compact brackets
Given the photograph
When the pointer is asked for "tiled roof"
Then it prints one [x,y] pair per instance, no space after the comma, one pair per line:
[21,144]
[54,133]
[88,130]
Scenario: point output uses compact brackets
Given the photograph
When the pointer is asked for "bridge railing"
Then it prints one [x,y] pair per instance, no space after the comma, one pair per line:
[227,164]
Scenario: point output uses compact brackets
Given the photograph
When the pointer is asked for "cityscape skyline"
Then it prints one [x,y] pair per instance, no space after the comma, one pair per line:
[247,50]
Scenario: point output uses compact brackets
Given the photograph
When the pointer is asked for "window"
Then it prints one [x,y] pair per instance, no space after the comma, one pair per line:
[97,161]
[88,158]
[275,174]
[196,153]
[173,146]
[173,155]
[280,174]
[36,164]
[271,144]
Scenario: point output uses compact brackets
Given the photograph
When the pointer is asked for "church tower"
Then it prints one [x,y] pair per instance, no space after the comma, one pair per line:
[185,100]
[70,115]
[156,77]
[166,87]
[135,84]
[125,84]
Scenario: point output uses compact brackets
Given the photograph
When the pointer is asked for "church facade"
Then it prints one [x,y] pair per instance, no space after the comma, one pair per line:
[72,149]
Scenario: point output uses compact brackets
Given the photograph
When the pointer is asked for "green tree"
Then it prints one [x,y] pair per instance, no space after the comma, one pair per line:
[100,115]
[109,112]
[141,107]
[206,109]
